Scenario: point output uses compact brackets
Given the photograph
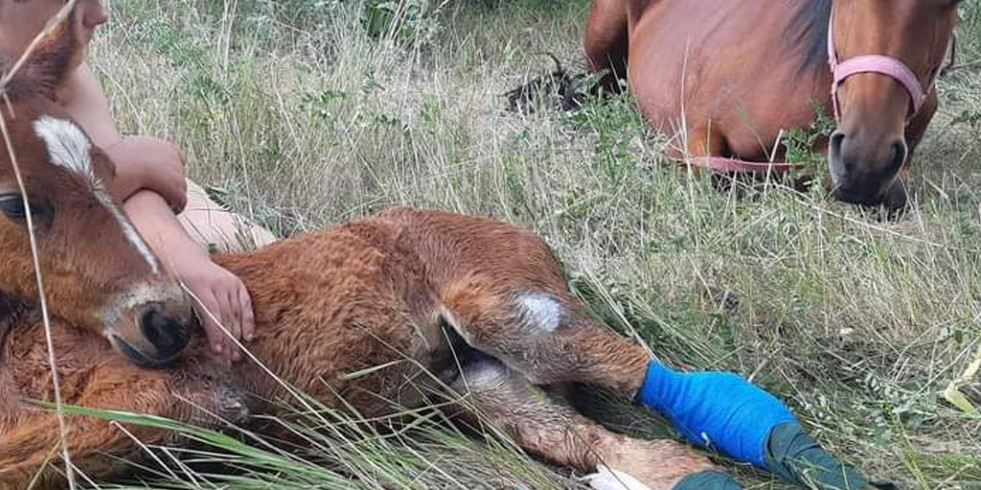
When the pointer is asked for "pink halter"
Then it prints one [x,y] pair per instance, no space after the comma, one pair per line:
[872,63]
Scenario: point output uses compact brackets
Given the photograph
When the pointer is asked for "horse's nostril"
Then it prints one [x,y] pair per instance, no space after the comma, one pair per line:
[837,139]
[168,336]
[839,164]
[897,156]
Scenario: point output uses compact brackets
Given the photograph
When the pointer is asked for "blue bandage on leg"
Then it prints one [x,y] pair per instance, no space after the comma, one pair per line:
[720,410]
[728,413]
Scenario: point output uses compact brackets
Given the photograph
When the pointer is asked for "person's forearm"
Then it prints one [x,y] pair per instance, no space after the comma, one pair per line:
[141,162]
[157,224]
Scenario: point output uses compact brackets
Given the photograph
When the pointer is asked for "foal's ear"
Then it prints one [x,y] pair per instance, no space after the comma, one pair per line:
[52,60]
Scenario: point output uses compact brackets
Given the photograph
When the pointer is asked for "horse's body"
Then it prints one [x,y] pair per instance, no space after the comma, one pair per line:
[673,73]
[727,77]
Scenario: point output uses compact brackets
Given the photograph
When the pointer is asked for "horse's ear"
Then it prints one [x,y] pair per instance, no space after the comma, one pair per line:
[52,61]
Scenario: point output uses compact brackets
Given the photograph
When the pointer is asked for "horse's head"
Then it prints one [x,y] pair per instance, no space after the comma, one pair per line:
[887,55]
[97,271]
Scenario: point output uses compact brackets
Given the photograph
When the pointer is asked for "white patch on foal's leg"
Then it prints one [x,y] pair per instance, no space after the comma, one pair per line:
[541,311]
[611,479]
[485,375]
[69,148]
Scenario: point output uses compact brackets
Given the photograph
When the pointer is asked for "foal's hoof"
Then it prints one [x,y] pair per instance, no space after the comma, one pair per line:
[215,404]
[610,479]
[230,404]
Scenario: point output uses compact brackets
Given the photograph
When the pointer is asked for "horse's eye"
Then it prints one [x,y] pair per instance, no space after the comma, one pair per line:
[12,206]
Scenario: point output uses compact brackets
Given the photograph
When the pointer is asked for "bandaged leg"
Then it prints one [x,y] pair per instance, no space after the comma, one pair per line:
[730,414]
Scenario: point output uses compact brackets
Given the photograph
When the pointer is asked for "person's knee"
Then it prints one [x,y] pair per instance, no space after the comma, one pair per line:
[218,229]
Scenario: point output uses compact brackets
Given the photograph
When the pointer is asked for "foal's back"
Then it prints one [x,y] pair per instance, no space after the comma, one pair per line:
[371,293]
[335,303]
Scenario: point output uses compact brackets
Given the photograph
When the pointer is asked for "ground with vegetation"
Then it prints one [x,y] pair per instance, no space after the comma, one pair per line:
[302,113]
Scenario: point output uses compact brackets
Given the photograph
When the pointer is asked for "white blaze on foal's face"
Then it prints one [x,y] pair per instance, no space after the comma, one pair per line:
[69,148]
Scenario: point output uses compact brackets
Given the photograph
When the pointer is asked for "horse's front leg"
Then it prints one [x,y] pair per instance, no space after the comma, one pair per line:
[30,447]
[606,41]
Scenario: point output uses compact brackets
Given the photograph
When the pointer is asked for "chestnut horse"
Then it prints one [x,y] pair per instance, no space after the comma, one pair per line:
[728,76]
[379,297]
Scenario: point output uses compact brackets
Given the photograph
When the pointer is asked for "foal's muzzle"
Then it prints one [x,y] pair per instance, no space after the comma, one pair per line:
[166,334]
[161,339]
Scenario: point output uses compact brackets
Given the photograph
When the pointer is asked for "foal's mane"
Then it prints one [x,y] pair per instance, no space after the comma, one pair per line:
[808,34]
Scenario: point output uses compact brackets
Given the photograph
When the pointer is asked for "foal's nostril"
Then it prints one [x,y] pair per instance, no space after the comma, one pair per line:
[168,336]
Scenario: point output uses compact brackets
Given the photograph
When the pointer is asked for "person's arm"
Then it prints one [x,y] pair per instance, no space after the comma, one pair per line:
[141,162]
[150,183]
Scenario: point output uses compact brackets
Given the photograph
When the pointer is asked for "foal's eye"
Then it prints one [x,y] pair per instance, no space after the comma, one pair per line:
[12,206]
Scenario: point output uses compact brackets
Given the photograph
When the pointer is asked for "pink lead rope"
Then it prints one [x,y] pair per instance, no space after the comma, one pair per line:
[885,65]
[726,164]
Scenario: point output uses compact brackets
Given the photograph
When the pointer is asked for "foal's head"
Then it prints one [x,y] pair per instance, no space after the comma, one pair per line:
[869,148]
[97,271]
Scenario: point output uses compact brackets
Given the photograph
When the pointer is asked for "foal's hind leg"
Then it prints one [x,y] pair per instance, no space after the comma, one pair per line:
[545,427]
[501,288]
[542,334]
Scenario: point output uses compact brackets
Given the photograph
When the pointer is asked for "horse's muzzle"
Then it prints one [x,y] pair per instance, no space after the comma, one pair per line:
[865,170]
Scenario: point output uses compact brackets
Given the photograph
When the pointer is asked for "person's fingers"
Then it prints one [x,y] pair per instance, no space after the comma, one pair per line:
[208,310]
[235,313]
[229,324]
[248,315]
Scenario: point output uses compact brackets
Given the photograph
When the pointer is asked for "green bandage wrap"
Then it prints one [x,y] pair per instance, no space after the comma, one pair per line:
[708,480]
[796,456]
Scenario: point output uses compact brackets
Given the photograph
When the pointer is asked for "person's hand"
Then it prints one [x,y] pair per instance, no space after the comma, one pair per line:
[149,163]
[219,295]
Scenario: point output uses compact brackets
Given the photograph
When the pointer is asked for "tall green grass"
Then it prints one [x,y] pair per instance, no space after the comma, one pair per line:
[306,112]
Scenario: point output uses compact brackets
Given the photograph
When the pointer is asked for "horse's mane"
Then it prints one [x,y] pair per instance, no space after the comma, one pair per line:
[808,33]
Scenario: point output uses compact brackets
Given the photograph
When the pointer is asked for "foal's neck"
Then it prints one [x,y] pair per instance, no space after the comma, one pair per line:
[11,310]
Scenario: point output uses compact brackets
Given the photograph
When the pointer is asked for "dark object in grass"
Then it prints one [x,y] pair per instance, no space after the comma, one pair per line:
[561,89]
